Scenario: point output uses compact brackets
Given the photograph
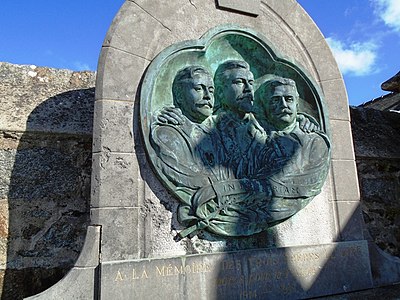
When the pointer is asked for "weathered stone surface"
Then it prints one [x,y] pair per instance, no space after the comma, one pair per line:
[85,272]
[117,183]
[250,7]
[385,268]
[318,230]
[297,18]
[90,255]
[380,192]
[320,53]
[45,206]
[376,136]
[124,78]
[291,273]
[132,14]
[281,8]
[387,292]
[202,16]
[338,104]
[350,220]
[114,132]
[45,99]
[342,143]
[119,239]
[288,28]
[65,289]
[345,180]
[374,133]
[45,159]
[18,284]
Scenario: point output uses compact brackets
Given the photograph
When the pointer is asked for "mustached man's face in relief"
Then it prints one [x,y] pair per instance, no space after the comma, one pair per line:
[239,90]
[197,100]
[282,105]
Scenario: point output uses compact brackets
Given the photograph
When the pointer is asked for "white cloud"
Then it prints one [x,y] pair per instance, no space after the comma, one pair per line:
[80,66]
[389,12]
[358,59]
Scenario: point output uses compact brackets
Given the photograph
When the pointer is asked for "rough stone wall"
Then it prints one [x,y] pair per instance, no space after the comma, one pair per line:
[45,164]
[376,137]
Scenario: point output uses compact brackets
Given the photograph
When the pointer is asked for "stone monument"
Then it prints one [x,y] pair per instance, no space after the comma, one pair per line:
[223,163]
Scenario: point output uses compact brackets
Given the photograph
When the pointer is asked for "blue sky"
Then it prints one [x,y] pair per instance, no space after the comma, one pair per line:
[60,34]
[364,36]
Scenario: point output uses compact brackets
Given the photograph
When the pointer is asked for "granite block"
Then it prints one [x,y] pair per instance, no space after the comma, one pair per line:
[336,99]
[146,45]
[282,273]
[324,62]
[279,7]
[114,180]
[350,221]
[342,141]
[78,284]
[113,127]
[301,23]
[251,7]
[119,233]
[345,180]
[118,74]
[89,256]
[385,267]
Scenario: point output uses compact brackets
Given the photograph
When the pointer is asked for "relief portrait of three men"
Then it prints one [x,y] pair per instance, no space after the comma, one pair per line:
[237,133]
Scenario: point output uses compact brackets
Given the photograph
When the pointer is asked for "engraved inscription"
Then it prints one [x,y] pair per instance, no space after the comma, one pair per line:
[255,274]
[162,271]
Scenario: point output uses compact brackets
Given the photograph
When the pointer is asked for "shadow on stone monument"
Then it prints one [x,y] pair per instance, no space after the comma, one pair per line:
[256,267]
[277,273]
[49,194]
[315,270]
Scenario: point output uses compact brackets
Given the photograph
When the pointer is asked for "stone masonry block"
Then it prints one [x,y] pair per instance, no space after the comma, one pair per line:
[113,127]
[114,180]
[342,141]
[263,274]
[78,284]
[281,8]
[324,62]
[89,256]
[250,6]
[45,99]
[189,20]
[119,74]
[350,220]
[119,235]
[336,99]
[301,23]
[346,180]
[280,34]
[145,45]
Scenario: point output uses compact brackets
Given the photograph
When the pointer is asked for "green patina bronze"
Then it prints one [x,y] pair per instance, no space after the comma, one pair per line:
[236,132]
